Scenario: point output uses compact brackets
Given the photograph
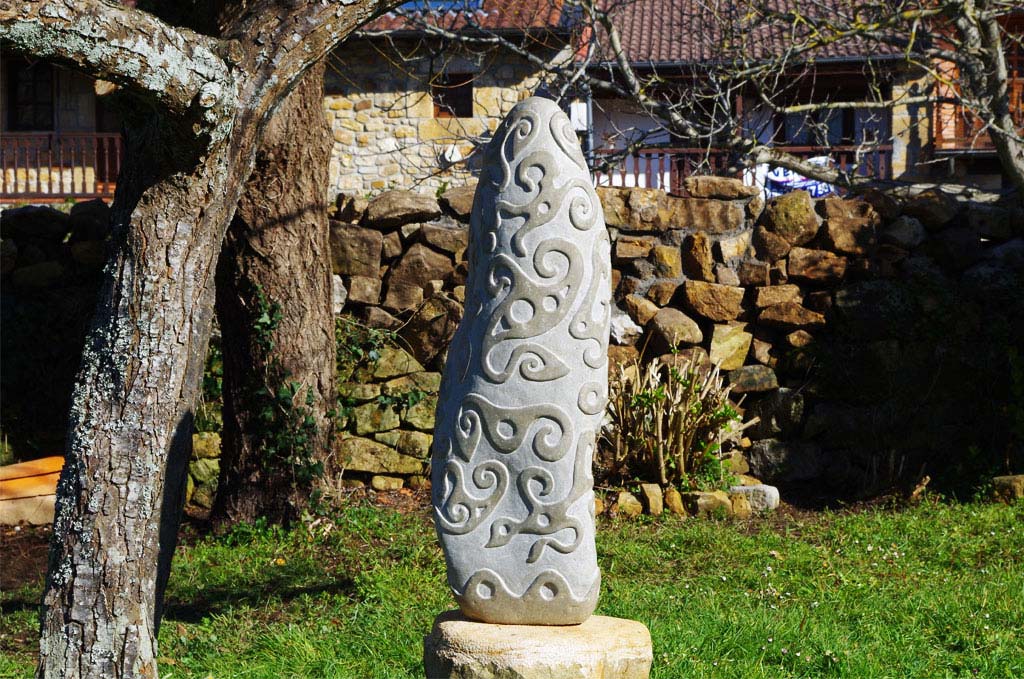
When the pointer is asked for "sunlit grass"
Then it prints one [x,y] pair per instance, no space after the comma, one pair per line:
[933,591]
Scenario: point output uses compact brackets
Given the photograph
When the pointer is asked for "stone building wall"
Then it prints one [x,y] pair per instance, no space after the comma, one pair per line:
[382,114]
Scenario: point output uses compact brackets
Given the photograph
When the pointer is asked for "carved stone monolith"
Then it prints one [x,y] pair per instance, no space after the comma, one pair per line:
[525,383]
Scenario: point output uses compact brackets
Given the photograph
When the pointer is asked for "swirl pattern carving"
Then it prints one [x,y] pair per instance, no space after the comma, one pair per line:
[525,383]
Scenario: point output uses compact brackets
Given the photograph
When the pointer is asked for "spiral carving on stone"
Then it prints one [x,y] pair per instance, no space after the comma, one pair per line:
[525,382]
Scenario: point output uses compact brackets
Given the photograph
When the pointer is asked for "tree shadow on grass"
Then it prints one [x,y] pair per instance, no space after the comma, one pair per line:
[215,600]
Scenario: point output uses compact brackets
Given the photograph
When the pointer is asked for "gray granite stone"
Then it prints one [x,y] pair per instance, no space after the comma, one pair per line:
[525,383]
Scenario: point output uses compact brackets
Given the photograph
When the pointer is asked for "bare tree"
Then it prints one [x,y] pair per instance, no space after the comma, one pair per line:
[201,107]
[768,57]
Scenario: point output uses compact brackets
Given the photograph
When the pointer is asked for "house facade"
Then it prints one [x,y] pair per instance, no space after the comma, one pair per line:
[412,108]
[58,137]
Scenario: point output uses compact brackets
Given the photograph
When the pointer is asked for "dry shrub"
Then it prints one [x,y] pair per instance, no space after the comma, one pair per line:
[669,424]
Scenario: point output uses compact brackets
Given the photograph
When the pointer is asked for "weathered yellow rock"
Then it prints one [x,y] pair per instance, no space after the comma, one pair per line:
[611,648]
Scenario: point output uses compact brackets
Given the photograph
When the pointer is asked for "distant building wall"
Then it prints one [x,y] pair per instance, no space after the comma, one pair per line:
[382,114]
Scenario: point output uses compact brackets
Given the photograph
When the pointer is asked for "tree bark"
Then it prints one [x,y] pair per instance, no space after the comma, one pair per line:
[277,253]
[120,494]
[203,105]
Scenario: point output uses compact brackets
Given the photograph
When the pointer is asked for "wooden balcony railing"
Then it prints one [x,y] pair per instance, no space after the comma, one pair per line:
[666,168]
[58,165]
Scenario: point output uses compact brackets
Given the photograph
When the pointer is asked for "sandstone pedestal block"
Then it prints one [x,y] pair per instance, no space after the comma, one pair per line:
[610,648]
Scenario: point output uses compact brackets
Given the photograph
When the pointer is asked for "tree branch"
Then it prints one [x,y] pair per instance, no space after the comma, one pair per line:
[176,67]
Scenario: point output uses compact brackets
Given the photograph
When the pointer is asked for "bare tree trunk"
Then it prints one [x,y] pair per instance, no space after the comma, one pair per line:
[276,258]
[129,440]
[203,105]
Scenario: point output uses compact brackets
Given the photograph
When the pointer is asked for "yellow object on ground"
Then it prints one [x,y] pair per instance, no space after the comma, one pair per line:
[28,489]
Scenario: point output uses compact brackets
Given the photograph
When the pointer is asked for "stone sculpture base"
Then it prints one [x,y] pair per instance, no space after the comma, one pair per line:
[611,648]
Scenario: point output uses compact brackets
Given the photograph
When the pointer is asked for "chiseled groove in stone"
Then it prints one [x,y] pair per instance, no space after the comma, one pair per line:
[486,597]
[526,383]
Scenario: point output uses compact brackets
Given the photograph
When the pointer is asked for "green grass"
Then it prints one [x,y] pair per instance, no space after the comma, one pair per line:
[933,591]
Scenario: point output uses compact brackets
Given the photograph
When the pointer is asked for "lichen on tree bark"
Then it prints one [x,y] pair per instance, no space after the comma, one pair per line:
[204,104]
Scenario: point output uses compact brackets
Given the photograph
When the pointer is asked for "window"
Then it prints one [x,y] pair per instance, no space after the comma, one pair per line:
[30,95]
[453,95]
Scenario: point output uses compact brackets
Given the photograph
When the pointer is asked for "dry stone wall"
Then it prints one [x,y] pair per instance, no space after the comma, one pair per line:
[819,313]
[873,338]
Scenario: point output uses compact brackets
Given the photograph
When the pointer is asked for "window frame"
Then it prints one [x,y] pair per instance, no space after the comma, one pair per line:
[452,94]
[43,106]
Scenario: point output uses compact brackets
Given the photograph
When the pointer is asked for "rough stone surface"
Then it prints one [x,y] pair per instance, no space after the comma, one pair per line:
[633,247]
[414,444]
[667,261]
[790,315]
[395,208]
[364,290]
[740,506]
[355,251]
[698,263]
[752,378]
[661,293]
[906,232]
[714,503]
[402,297]
[371,418]
[452,240]
[205,445]
[819,266]
[731,247]
[674,502]
[419,265]
[358,392]
[713,301]
[761,498]
[786,461]
[422,415]
[729,345]
[725,188]
[1009,488]
[849,225]
[640,309]
[366,455]
[776,294]
[647,210]
[525,383]
[770,246]
[394,362]
[933,208]
[431,328]
[609,648]
[653,498]
[458,201]
[780,414]
[672,328]
[726,275]
[752,273]
[628,504]
[791,216]
[385,483]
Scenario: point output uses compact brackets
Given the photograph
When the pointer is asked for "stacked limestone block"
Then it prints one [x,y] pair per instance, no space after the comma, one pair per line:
[780,296]
[399,260]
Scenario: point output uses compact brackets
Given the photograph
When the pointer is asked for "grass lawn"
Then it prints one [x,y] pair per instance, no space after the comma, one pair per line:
[932,591]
